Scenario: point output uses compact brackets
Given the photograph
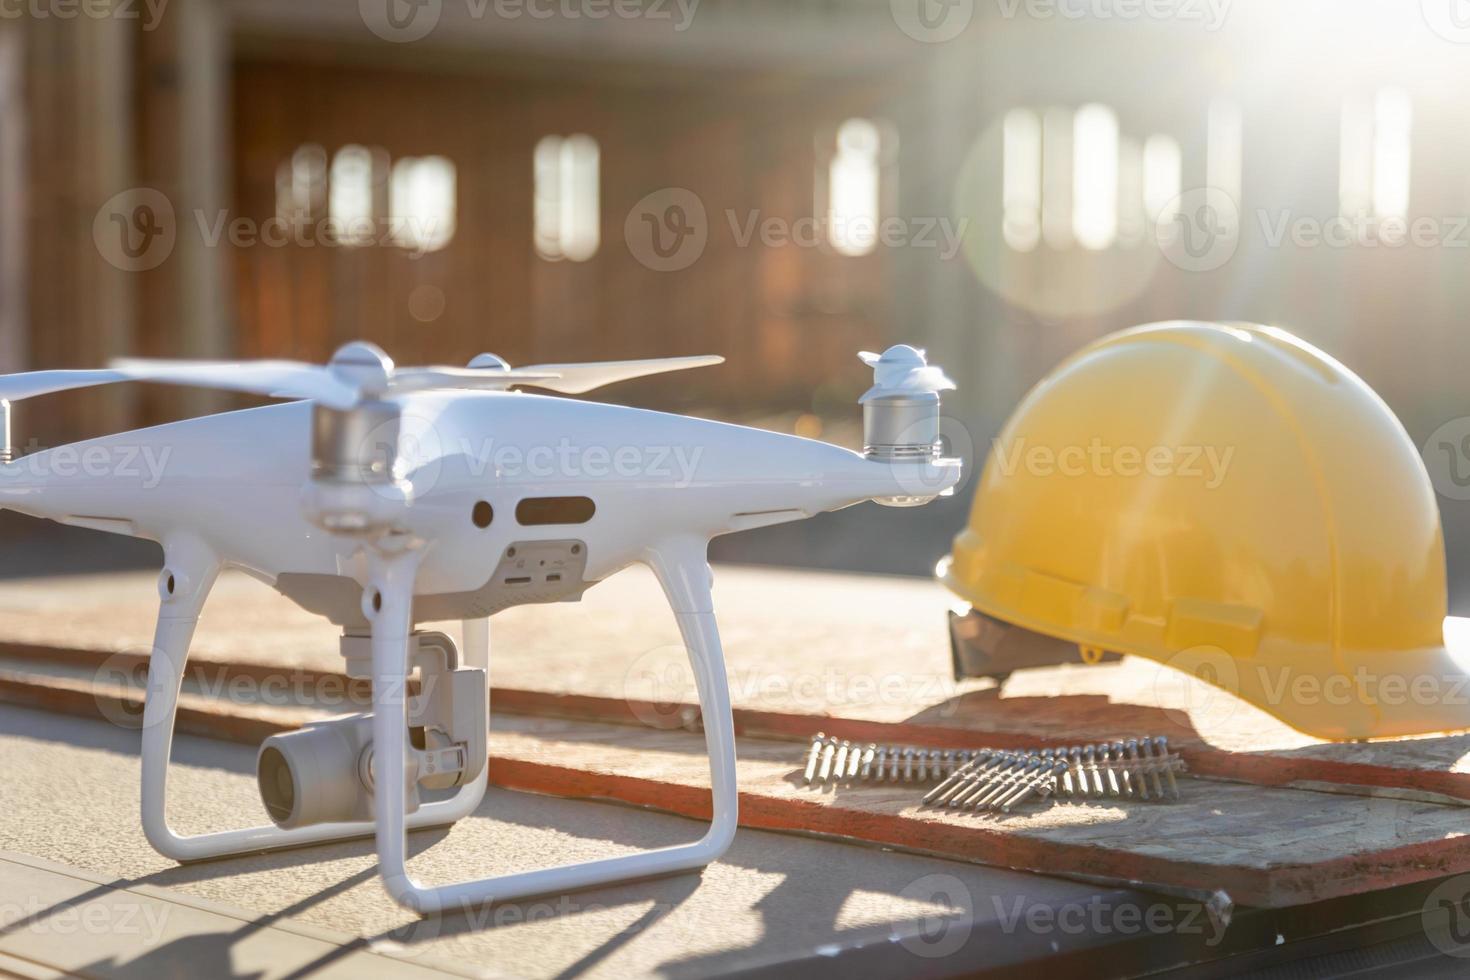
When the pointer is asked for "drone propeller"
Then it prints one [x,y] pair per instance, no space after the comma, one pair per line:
[361,370]
[356,372]
[574,379]
[16,387]
[354,426]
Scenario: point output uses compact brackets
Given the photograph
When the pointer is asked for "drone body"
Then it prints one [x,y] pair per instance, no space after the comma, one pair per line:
[487,470]
[397,497]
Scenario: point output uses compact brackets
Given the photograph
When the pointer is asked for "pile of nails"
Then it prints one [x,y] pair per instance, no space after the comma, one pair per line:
[1001,779]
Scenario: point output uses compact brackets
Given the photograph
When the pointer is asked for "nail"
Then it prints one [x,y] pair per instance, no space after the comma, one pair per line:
[814,756]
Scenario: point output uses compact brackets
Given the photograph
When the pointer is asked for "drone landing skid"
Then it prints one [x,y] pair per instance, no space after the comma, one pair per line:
[191,568]
[189,574]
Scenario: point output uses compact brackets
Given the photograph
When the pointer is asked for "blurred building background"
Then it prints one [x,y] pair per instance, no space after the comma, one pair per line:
[783,182]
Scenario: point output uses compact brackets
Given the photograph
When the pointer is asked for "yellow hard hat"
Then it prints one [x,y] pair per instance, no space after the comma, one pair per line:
[1230,501]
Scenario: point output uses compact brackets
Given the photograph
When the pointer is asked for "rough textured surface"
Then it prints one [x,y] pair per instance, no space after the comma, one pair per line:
[1266,847]
[71,796]
[855,654]
[72,923]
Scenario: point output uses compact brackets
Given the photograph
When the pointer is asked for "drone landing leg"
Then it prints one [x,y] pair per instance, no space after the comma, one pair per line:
[683,570]
[190,569]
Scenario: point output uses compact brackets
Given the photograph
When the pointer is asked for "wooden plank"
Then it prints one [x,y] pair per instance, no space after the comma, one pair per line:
[861,656]
[1263,846]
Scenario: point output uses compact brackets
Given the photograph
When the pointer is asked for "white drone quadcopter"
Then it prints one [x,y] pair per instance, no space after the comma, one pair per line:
[376,500]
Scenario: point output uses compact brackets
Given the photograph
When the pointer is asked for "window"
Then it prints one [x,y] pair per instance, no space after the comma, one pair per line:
[352,199]
[1222,157]
[1072,178]
[421,201]
[1375,154]
[1095,177]
[566,207]
[1056,177]
[1021,179]
[852,188]
[1162,165]
[366,200]
[301,185]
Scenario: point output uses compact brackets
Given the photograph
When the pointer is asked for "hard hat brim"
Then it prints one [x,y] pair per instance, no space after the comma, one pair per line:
[1374,694]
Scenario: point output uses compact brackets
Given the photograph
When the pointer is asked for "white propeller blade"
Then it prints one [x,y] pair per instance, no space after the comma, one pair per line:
[276,379]
[29,384]
[423,378]
[336,385]
[574,379]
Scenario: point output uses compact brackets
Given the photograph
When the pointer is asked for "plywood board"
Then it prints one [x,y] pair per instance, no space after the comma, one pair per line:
[862,656]
[1262,846]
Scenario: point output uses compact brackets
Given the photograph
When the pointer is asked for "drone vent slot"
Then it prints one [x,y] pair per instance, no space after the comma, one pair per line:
[534,511]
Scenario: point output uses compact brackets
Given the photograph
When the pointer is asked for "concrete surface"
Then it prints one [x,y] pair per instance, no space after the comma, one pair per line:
[70,796]
[58,921]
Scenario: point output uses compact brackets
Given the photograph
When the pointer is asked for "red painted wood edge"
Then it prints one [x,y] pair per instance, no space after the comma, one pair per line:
[1204,759]
[1261,770]
[1276,887]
